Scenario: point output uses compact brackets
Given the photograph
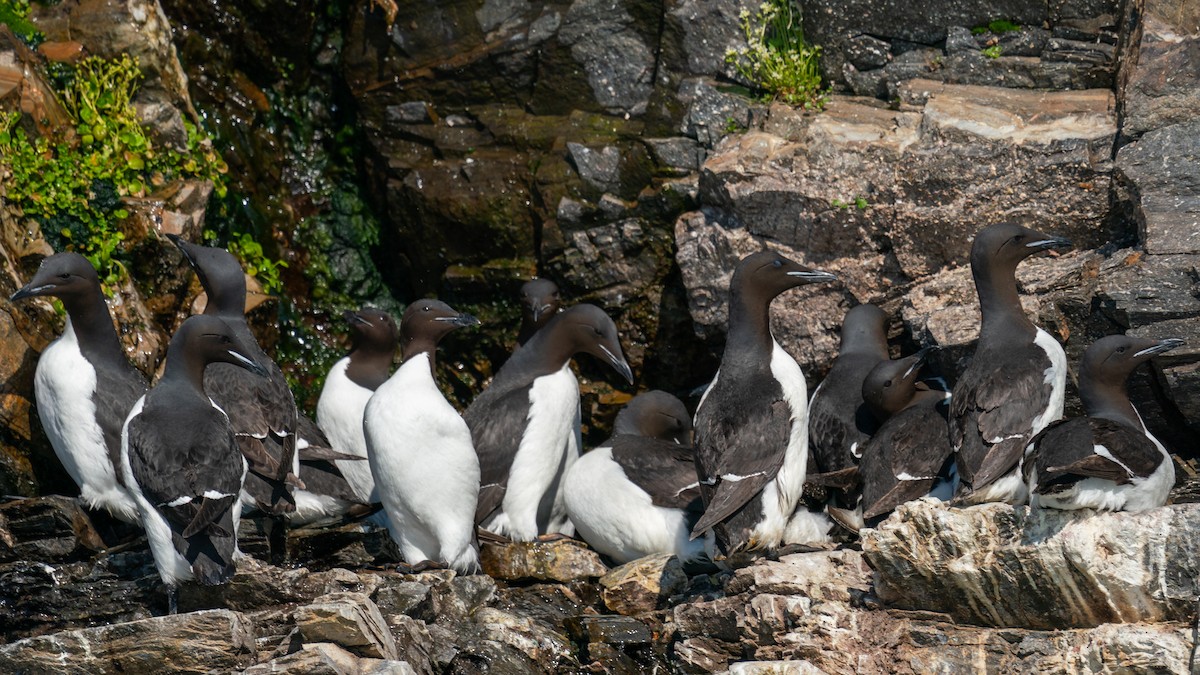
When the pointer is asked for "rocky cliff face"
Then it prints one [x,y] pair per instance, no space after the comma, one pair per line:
[599,143]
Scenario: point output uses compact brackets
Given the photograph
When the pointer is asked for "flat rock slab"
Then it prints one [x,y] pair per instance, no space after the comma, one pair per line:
[564,560]
[998,565]
[642,585]
[324,658]
[199,642]
[350,620]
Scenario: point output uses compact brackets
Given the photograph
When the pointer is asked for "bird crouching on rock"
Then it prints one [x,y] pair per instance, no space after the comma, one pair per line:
[181,463]
[1106,460]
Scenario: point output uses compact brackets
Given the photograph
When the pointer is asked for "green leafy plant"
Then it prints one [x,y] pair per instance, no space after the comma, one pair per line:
[257,263]
[776,58]
[15,14]
[992,52]
[997,27]
[732,126]
[74,181]
[861,203]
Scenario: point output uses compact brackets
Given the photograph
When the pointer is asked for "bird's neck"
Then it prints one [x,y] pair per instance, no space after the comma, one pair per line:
[92,324]
[999,303]
[749,342]
[1108,401]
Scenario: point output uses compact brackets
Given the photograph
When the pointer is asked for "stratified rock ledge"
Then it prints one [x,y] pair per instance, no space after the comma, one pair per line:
[1004,566]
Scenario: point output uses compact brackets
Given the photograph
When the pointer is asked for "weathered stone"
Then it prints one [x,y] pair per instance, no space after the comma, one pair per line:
[410,112]
[350,620]
[563,560]
[706,31]
[677,153]
[199,642]
[619,65]
[414,644]
[1159,88]
[867,52]
[455,598]
[549,649]
[642,585]
[774,668]
[999,565]
[618,630]
[47,529]
[1161,174]
[325,658]
[600,168]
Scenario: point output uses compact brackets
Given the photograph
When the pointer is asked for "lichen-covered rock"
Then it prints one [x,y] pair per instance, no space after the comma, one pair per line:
[563,560]
[1161,172]
[326,658]
[998,565]
[642,585]
[1159,83]
[198,642]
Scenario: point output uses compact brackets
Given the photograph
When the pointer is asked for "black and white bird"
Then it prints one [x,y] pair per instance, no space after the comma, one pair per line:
[752,423]
[526,424]
[539,303]
[420,449]
[1015,382]
[839,422]
[349,385]
[181,463]
[84,385]
[909,457]
[263,412]
[637,493]
[1107,460]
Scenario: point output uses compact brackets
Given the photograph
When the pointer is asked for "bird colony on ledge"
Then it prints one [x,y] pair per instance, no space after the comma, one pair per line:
[762,467]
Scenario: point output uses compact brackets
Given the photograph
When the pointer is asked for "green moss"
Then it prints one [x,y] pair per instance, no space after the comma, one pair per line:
[997,27]
[74,181]
[15,15]
[992,52]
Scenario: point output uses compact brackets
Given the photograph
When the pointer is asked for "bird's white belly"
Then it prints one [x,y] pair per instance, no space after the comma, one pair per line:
[425,467]
[780,496]
[619,519]
[1056,377]
[551,438]
[340,415]
[63,386]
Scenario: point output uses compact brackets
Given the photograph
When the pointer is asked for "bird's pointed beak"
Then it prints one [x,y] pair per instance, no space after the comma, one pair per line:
[813,276]
[31,290]
[919,360]
[1050,243]
[353,317]
[619,364]
[1163,346]
[248,363]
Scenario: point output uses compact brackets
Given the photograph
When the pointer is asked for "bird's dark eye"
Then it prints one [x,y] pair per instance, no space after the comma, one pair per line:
[777,263]
[888,383]
[225,340]
[426,308]
[599,333]
[1120,350]
[64,276]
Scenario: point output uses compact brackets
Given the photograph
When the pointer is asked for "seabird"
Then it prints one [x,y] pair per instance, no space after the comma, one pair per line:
[905,459]
[286,451]
[839,422]
[539,304]
[1016,380]
[420,449]
[526,424]
[349,385]
[1107,460]
[180,460]
[84,385]
[752,423]
[637,493]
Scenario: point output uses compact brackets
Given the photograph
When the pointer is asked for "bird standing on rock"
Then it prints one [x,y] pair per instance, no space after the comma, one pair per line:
[84,385]
[181,463]
[349,385]
[1015,383]
[526,424]
[1107,460]
[420,449]
[752,423]
[839,421]
[637,494]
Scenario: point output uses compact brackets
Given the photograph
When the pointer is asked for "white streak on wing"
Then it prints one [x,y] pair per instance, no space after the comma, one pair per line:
[687,487]
[734,478]
[213,494]
[705,395]
[1001,439]
[855,451]
[904,475]
[179,501]
[1104,452]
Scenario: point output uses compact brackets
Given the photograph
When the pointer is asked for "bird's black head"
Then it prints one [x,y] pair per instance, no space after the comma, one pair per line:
[585,329]
[426,322]
[539,301]
[68,276]
[1004,245]
[656,414]
[205,339]
[1110,360]
[219,273]
[762,276]
[372,330]
[863,330]
[891,385]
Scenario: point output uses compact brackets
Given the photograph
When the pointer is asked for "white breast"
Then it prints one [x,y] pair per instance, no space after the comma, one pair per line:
[425,467]
[548,447]
[340,415]
[1056,377]
[618,518]
[63,386]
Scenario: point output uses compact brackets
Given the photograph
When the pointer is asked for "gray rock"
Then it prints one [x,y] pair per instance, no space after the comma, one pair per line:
[867,52]
[677,153]
[600,168]
[350,620]
[46,529]
[959,40]
[998,565]
[712,114]
[619,65]
[706,29]
[409,112]
[1159,85]
[774,668]
[642,585]
[198,642]
[1161,175]
[326,658]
